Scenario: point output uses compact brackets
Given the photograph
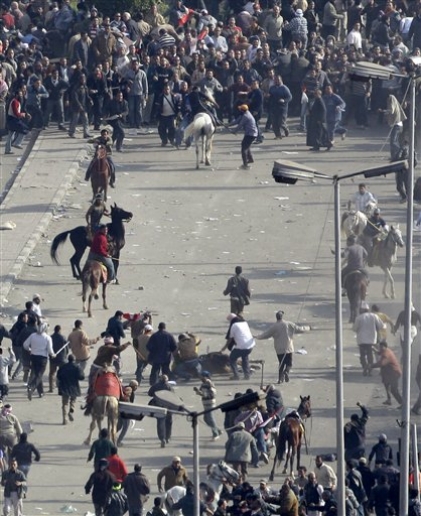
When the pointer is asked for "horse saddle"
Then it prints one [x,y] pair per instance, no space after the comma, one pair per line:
[104,272]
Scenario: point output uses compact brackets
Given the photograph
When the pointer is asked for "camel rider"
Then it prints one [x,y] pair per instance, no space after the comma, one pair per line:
[202,103]
[363,199]
[99,251]
[94,214]
[105,140]
[355,256]
[372,234]
[104,358]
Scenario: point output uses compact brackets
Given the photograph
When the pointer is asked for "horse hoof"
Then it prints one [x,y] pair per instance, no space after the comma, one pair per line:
[96,296]
[284,471]
[86,442]
[116,282]
[105,307]
[271,477]
[208,164]
[84,310]
[89,314]
[197,167]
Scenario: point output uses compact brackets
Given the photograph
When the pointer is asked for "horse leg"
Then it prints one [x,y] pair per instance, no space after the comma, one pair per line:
[291,462]
[87,441]
[116,262]
[392,283]
[272,473]
[298,456]
[84,291]
[104,295]
[208,151]
[386,279]
[197,154]
[89,305]
[287,458]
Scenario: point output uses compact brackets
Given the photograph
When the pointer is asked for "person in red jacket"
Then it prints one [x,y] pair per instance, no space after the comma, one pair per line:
[116,466]
[99,251]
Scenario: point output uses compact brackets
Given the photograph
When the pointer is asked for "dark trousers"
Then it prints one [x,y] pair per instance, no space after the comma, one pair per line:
[141,364]
[164,427]
[401,183]
[328,30]
[285,364]
[166,129]
[54,106]
[118,133]
[97,108]
[279,121]
[244,355]
[366,355]
[38,366]
[158,369]
[245,149]
[37,121]
[392,388]
[135,110]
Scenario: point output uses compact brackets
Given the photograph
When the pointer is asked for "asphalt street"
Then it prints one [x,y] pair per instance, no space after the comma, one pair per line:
[190,229]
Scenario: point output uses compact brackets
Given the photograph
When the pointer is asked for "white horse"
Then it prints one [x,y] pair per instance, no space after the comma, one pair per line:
[219,474]
[353,223]
[202,128]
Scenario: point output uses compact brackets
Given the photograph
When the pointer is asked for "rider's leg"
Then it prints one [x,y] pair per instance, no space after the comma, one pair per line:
[110,267]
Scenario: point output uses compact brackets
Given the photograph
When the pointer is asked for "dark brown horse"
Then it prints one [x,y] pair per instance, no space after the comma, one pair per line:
[100,172]
[93,277]
[291,432]
[356,284]
[79,239]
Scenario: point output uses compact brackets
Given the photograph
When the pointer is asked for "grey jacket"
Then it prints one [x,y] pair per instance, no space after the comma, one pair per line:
[240,446]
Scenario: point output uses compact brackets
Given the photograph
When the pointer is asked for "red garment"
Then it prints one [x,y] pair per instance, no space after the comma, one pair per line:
[15,109]
[117,467]
[108,384]
[100,244]
[9,20]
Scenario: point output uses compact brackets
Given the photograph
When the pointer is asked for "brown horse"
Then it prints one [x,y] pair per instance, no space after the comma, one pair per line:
[355,283]
[93,276]
[100,172]
[290,435]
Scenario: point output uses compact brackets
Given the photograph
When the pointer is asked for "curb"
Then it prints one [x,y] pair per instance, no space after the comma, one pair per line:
[18,177]
[31,145]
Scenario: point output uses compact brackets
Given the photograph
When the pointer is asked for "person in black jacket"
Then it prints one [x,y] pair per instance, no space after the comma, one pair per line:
[355,434]
[68,377]
[56,88]
[117,502]
[22,452]
[59,343]
[161,345]
[14,333]
[163,424]
[101,482]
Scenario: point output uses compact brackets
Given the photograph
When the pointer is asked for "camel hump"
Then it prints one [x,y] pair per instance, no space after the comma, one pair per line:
[108,384]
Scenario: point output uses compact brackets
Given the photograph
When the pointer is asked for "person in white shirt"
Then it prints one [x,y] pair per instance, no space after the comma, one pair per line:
[354,37]
[240,342]
[363,198]
[366,326]
[36,305]
[40,345]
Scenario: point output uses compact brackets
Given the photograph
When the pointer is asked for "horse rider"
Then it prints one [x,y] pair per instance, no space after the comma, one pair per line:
[355,256]
[105,141]
[203,103]
[94,214]
[99,251]
[376,227]
[363,199]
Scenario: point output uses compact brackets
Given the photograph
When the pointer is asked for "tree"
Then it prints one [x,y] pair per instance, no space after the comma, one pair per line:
[134,7]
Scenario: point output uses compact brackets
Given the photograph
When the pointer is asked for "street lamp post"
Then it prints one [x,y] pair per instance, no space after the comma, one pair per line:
[290,172]
[174,404]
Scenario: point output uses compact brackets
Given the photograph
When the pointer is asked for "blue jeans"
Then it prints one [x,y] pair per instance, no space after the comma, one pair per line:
[107,261]
[179,133]
[259,435]
[135,110]
[210,421]
[185,369]
[244,355]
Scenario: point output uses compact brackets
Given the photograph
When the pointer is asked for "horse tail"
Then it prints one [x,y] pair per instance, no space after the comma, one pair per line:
[57,242]
[195,127]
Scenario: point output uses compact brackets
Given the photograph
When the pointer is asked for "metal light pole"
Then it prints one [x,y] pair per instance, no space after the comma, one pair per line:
[340,443]
[406,358]
[290,172]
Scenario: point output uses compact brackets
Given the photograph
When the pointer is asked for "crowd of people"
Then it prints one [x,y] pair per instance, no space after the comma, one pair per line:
[243,63]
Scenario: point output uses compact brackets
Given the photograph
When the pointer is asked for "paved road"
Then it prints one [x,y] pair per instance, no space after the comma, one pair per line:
[189,231]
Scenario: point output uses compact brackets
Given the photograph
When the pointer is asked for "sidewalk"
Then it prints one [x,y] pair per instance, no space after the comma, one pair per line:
[29,205]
